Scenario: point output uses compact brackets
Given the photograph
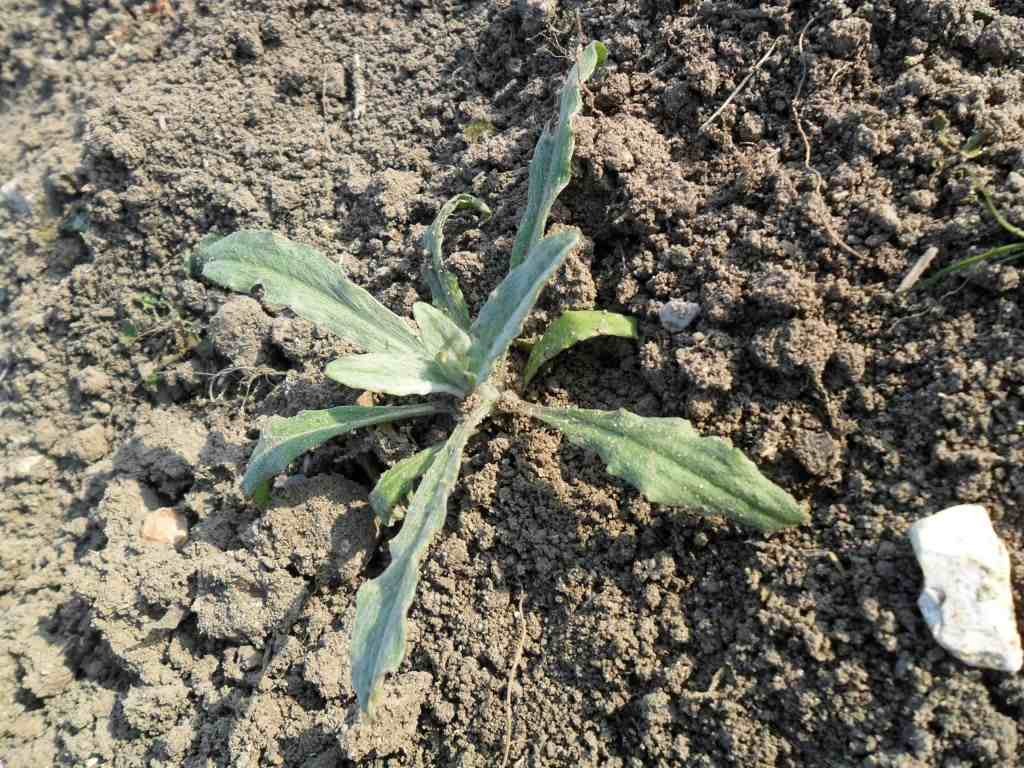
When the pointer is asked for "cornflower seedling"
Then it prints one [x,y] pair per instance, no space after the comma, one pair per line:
[458,357]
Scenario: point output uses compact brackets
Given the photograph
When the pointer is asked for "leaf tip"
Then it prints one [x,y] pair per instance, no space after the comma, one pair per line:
[788,513]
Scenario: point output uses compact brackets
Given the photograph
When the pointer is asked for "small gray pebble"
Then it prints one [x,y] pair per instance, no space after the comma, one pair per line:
[678,315]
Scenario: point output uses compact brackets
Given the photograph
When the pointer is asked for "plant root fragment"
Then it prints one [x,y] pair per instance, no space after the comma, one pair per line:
[826,217]
[516,658]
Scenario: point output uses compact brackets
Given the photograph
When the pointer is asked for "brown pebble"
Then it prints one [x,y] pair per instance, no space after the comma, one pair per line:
[165,526]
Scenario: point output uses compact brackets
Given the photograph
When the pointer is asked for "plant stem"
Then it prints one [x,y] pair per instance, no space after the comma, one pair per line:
[1000,219]
[480,404]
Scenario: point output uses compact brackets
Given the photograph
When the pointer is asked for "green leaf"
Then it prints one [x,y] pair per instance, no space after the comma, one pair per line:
[311,286]
[448,344]
[282,440]
[444,286]
[261,494]
[502,317]
[439,333]
[671,464]
[550,167]
[394,374]
[573,327]
[396,483]
[378,637]
[974,146]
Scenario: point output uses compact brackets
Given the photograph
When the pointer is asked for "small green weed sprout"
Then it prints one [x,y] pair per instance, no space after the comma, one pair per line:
[962,157]
[457,356]
[1000,254]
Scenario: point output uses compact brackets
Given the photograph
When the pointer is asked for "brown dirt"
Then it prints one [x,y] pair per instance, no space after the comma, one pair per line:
[132,129]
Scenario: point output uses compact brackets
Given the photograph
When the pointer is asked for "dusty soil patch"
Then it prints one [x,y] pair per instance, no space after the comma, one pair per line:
[133,129]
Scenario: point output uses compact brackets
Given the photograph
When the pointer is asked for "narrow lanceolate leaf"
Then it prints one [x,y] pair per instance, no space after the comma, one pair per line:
[671,464]
[501,318]
[283,440]
[394,374]
[550,167]
[573,327]
[378,637]
[311,286]
[999,255]
[444,286]
[396,483]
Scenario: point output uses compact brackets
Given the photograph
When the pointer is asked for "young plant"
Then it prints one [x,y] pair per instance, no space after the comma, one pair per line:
[459,357]
[1000,254]
[962,165]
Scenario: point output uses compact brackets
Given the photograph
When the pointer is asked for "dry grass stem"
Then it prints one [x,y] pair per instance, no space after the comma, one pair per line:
[741,86]
[516,658]
[826,217]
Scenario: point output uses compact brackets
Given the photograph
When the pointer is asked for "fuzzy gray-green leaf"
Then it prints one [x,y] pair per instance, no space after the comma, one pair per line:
[282,440]
[502,317]
[446,343]
[396,483]
[550,169]
[670,463]
[573,327]
[378,636]
[394,374]
[311,286]
[439,333]
[444,286]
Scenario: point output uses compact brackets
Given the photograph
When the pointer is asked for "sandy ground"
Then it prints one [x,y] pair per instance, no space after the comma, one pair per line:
[129,130]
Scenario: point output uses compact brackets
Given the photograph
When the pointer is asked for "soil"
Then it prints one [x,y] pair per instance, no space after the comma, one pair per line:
[649,637]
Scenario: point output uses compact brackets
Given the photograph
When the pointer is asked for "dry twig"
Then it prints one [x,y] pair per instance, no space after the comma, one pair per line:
[358,87]
[741,86]
[914,275]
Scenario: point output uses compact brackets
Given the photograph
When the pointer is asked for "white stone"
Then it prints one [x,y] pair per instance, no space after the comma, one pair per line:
[24,467]
[678,315]
[19,203]
[966,601]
